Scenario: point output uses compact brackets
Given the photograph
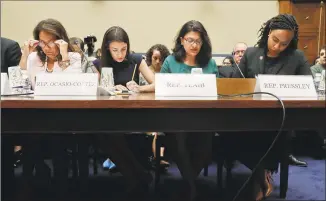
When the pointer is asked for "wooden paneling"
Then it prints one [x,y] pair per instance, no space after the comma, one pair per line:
[309,45]
[307,15]
[285,6]
[312,28]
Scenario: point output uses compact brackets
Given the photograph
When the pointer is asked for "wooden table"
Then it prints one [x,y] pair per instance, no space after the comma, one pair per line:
[144,112]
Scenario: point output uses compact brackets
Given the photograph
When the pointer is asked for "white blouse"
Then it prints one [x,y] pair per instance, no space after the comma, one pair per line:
[35,66]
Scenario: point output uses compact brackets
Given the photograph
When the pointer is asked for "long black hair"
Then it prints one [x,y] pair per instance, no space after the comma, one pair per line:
[205,53]
[282,21]
[113,34]
[55,28]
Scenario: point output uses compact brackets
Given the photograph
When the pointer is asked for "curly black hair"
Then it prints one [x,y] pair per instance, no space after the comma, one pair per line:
[164,51]
[282,21]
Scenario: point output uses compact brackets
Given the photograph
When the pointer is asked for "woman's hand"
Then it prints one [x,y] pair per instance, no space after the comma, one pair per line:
[120,87]
[63,47]
[29,47]
[133,86]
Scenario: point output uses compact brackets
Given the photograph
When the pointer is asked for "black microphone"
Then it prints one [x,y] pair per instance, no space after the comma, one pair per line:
[235,62]
[239,69]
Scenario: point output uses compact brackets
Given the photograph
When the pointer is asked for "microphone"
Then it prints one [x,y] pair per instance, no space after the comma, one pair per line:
[196,71]
[239,70]
[84,56]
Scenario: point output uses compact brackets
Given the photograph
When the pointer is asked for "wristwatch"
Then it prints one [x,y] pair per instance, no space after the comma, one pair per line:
[65,64]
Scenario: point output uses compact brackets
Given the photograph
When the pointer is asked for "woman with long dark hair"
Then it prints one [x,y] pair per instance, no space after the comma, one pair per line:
[126,68]
[48,52]
[192,151]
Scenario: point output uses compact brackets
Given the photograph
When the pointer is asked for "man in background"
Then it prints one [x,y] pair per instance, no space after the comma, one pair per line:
[238,51]
[10,54]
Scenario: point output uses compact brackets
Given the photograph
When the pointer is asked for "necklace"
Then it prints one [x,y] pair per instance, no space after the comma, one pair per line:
[48,70]
[46,64]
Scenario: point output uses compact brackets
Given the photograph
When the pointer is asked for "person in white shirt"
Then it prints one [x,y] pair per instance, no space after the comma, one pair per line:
[49,51]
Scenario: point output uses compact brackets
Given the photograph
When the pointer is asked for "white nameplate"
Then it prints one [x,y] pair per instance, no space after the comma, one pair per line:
[5,86]
[286,86]
[62,84]
[185,85]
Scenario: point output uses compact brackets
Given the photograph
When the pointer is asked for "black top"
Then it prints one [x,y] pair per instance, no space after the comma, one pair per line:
[123,71]
[271,65]
[254,62]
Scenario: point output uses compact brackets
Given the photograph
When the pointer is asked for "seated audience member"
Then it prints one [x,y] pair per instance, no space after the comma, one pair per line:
[53,54]
[155,57]
[276,53]
[97,61]
[116,54]
[78,45]
[228,61]
[98,53]
[237,53]
[318,68]
[192,50]
[10,54]
[317,61]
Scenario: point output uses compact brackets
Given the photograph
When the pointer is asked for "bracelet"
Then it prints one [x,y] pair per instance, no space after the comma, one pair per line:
[65,64]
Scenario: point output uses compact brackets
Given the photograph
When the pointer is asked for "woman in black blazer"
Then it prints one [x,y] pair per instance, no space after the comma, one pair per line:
[275,53]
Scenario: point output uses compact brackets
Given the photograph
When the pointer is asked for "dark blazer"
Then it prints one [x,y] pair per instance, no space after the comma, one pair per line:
[227,71]
[10,54]
[252,64]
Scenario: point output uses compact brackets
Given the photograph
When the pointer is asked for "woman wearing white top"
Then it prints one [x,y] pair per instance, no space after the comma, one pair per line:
[49,52]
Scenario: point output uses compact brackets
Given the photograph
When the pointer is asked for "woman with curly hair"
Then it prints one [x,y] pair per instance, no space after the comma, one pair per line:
[276,53]
[155,57]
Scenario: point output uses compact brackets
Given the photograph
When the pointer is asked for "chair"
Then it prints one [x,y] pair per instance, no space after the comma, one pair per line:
[223,158]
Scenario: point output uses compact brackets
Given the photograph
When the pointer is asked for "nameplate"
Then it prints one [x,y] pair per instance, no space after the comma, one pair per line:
[286,86]
[5,87]
[185,85]
[62,84]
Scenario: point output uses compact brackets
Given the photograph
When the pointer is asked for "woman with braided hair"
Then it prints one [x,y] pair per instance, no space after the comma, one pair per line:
[275,53]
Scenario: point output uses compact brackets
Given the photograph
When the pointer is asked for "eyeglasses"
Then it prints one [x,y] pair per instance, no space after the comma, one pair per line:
[191,41]
[42,44]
